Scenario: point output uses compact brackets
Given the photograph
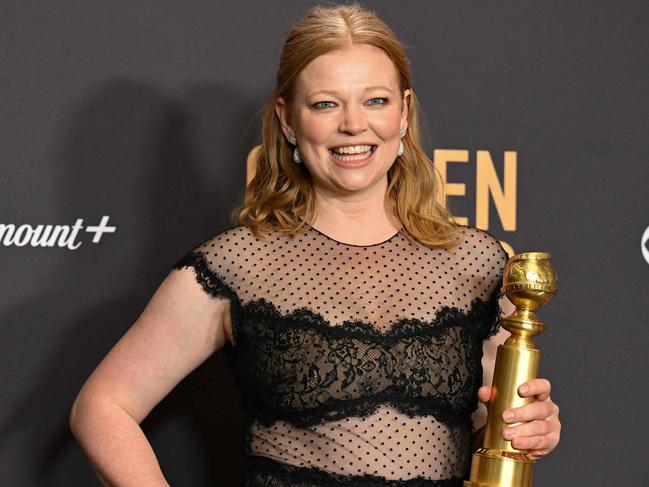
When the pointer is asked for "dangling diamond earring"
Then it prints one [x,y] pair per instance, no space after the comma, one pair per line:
[296,155]
[401,148]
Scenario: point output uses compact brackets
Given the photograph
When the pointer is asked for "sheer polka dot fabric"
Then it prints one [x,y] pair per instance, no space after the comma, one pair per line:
[355,363]
[386,443]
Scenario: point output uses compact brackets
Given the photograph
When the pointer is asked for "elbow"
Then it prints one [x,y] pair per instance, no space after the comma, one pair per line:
[81,408]
[73,416]
[90,411]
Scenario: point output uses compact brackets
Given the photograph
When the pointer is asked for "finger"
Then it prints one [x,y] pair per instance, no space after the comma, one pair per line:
[484,394]
[537,454]
[531,428]
[543,444]
[535,387]
[529,412]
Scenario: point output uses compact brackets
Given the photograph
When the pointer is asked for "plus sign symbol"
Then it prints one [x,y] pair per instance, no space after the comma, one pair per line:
[644,244]
[100,229]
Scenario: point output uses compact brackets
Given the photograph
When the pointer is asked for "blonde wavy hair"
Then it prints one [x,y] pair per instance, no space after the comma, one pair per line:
[281,197]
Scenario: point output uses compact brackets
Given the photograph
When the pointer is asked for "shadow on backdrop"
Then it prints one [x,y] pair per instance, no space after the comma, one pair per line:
[167,170]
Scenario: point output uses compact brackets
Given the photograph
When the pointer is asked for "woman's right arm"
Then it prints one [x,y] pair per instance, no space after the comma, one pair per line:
[179,329]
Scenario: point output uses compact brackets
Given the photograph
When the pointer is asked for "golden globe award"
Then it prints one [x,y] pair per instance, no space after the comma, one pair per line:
[529,281]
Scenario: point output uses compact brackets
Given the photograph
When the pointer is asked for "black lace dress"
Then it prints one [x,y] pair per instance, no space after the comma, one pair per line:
[357,365]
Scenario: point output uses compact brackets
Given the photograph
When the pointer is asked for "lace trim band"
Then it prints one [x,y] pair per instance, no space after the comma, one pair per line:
[485,313]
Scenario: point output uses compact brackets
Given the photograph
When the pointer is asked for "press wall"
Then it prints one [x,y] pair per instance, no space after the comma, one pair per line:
[125,127]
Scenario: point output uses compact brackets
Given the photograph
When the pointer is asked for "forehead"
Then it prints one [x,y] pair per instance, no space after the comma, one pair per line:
[348,70]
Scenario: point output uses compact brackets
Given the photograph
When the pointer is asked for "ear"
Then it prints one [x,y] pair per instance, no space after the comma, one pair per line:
[406,108]
[282,110]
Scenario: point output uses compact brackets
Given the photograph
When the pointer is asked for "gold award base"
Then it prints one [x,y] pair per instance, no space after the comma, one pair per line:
[529,281]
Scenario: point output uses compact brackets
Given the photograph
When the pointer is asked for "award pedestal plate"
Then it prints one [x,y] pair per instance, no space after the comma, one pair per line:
[529,281]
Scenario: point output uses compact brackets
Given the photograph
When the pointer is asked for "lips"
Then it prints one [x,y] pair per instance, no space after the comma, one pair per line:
[355,160]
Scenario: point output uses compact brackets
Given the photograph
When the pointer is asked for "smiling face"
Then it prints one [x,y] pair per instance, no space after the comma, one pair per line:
[346,114]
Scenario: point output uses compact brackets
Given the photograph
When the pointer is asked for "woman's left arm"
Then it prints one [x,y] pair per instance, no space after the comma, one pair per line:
[539,429]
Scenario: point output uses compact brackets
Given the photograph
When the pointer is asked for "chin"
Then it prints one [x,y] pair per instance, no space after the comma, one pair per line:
[359,183]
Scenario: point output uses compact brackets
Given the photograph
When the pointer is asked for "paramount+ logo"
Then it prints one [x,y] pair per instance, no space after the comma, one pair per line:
[644,244]
[62,236]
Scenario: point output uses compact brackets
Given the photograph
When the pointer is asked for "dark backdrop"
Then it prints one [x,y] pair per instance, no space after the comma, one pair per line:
[144,112]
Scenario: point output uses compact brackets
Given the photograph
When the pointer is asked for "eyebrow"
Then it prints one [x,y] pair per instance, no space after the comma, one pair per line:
[337,93]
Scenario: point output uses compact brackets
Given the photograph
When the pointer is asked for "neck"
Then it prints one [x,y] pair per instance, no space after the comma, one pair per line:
[358,218]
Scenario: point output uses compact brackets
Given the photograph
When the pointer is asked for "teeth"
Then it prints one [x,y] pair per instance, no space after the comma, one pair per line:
[352,153]
[353,149]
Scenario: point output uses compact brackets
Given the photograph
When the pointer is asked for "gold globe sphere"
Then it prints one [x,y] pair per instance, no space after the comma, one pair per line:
[529,280]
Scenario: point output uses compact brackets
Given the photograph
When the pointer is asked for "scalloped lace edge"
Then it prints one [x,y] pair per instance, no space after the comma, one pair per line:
[214,284]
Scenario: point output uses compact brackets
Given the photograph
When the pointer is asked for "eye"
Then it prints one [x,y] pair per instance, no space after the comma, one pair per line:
[378,101]
[320,104]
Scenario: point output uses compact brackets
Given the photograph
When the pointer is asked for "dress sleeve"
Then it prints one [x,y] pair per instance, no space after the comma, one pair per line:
[488,258]
[213,284]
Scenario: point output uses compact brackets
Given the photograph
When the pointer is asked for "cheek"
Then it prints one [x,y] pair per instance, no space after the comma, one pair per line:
[315,130]
[388,125]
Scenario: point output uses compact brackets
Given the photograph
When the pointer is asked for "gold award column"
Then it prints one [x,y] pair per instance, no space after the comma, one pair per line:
[529,281]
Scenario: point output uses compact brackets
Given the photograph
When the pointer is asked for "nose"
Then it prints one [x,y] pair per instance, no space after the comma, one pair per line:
[353,120]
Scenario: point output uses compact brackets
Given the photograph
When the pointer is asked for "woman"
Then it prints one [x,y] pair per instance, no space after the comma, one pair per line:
[351,308]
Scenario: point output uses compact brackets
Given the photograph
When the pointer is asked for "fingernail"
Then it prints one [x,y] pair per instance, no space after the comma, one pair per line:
[508,415]
[507,432]
[524,389]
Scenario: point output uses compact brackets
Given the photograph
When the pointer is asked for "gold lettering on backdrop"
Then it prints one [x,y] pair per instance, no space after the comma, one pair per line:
[504,196]
[508,248]
[441,159]
[488,185]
